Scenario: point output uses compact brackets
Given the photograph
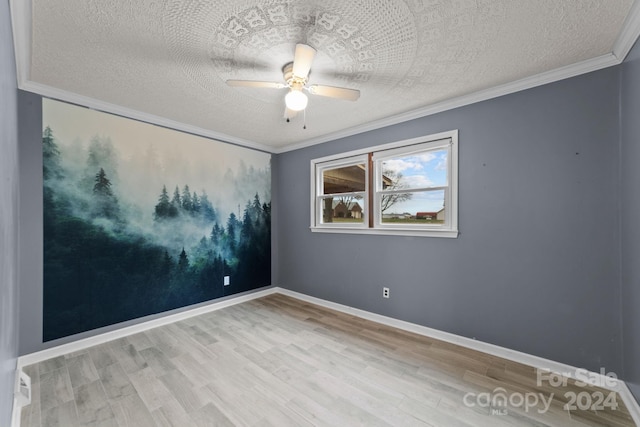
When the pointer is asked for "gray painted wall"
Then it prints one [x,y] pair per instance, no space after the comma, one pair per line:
[31,237]
[630,177]
[31,260]
[536,265]
[8,216]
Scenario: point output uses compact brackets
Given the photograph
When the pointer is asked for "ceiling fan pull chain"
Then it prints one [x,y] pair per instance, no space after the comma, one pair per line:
[304,112]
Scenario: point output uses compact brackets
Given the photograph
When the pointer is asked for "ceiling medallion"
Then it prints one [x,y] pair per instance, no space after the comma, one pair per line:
[258,29]
[357,45]
[392,45]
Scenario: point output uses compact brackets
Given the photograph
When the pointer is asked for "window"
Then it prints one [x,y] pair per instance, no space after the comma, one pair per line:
[342,192]
[406,188]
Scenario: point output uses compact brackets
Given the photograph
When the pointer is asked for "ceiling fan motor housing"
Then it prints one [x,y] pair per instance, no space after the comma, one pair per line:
[294,82]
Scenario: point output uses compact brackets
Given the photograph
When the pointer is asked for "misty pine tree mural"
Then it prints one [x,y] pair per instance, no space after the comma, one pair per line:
[139,219]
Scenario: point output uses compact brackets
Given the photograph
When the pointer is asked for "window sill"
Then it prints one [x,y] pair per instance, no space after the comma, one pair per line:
[449,234]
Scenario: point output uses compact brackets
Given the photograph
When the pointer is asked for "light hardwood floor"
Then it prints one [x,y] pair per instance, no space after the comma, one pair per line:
[278,361]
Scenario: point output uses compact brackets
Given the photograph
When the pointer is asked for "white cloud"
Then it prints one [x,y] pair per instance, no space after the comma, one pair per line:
[415,181]
[442,163]
[425,158]
[412,162]
[398,165]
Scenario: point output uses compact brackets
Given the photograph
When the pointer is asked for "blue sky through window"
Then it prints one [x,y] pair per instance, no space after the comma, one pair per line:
[425,170]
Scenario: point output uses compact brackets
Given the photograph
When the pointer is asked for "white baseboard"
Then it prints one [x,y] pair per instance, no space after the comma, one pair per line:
[16,414]
[630,401]
[616,385]
[31,358]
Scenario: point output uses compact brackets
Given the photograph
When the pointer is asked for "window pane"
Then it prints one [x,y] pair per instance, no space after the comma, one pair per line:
[345,209]
[345,179]
[422,170]
[420,207]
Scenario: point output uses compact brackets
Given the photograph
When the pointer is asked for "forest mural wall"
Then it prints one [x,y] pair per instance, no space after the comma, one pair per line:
[139,219]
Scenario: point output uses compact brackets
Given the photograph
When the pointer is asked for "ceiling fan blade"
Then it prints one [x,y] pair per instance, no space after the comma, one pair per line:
[335,92]
[258,84]
[302,60]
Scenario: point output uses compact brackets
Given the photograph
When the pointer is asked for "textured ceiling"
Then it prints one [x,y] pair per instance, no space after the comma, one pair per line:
[171,58]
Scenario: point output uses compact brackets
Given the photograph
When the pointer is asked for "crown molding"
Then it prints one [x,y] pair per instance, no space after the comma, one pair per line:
[21,21]
[96,104]
[21,25]
[541,79]
[629,34]
[625,41]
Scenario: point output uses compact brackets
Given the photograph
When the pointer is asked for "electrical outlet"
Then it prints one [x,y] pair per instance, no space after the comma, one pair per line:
[385,292]
[226,280]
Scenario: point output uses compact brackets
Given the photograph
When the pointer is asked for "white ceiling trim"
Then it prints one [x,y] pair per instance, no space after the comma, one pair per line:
[630,32]
[21,20]
[21,26]
[95,104]
[483,95]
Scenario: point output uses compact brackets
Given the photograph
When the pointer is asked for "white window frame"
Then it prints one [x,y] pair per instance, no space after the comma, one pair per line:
[379,153]
[317,204]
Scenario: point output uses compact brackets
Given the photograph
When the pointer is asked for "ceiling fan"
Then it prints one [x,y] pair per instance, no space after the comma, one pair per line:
[296,76]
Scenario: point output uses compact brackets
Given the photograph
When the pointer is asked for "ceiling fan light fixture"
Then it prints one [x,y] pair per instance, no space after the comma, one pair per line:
[296,100]
[296,76]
